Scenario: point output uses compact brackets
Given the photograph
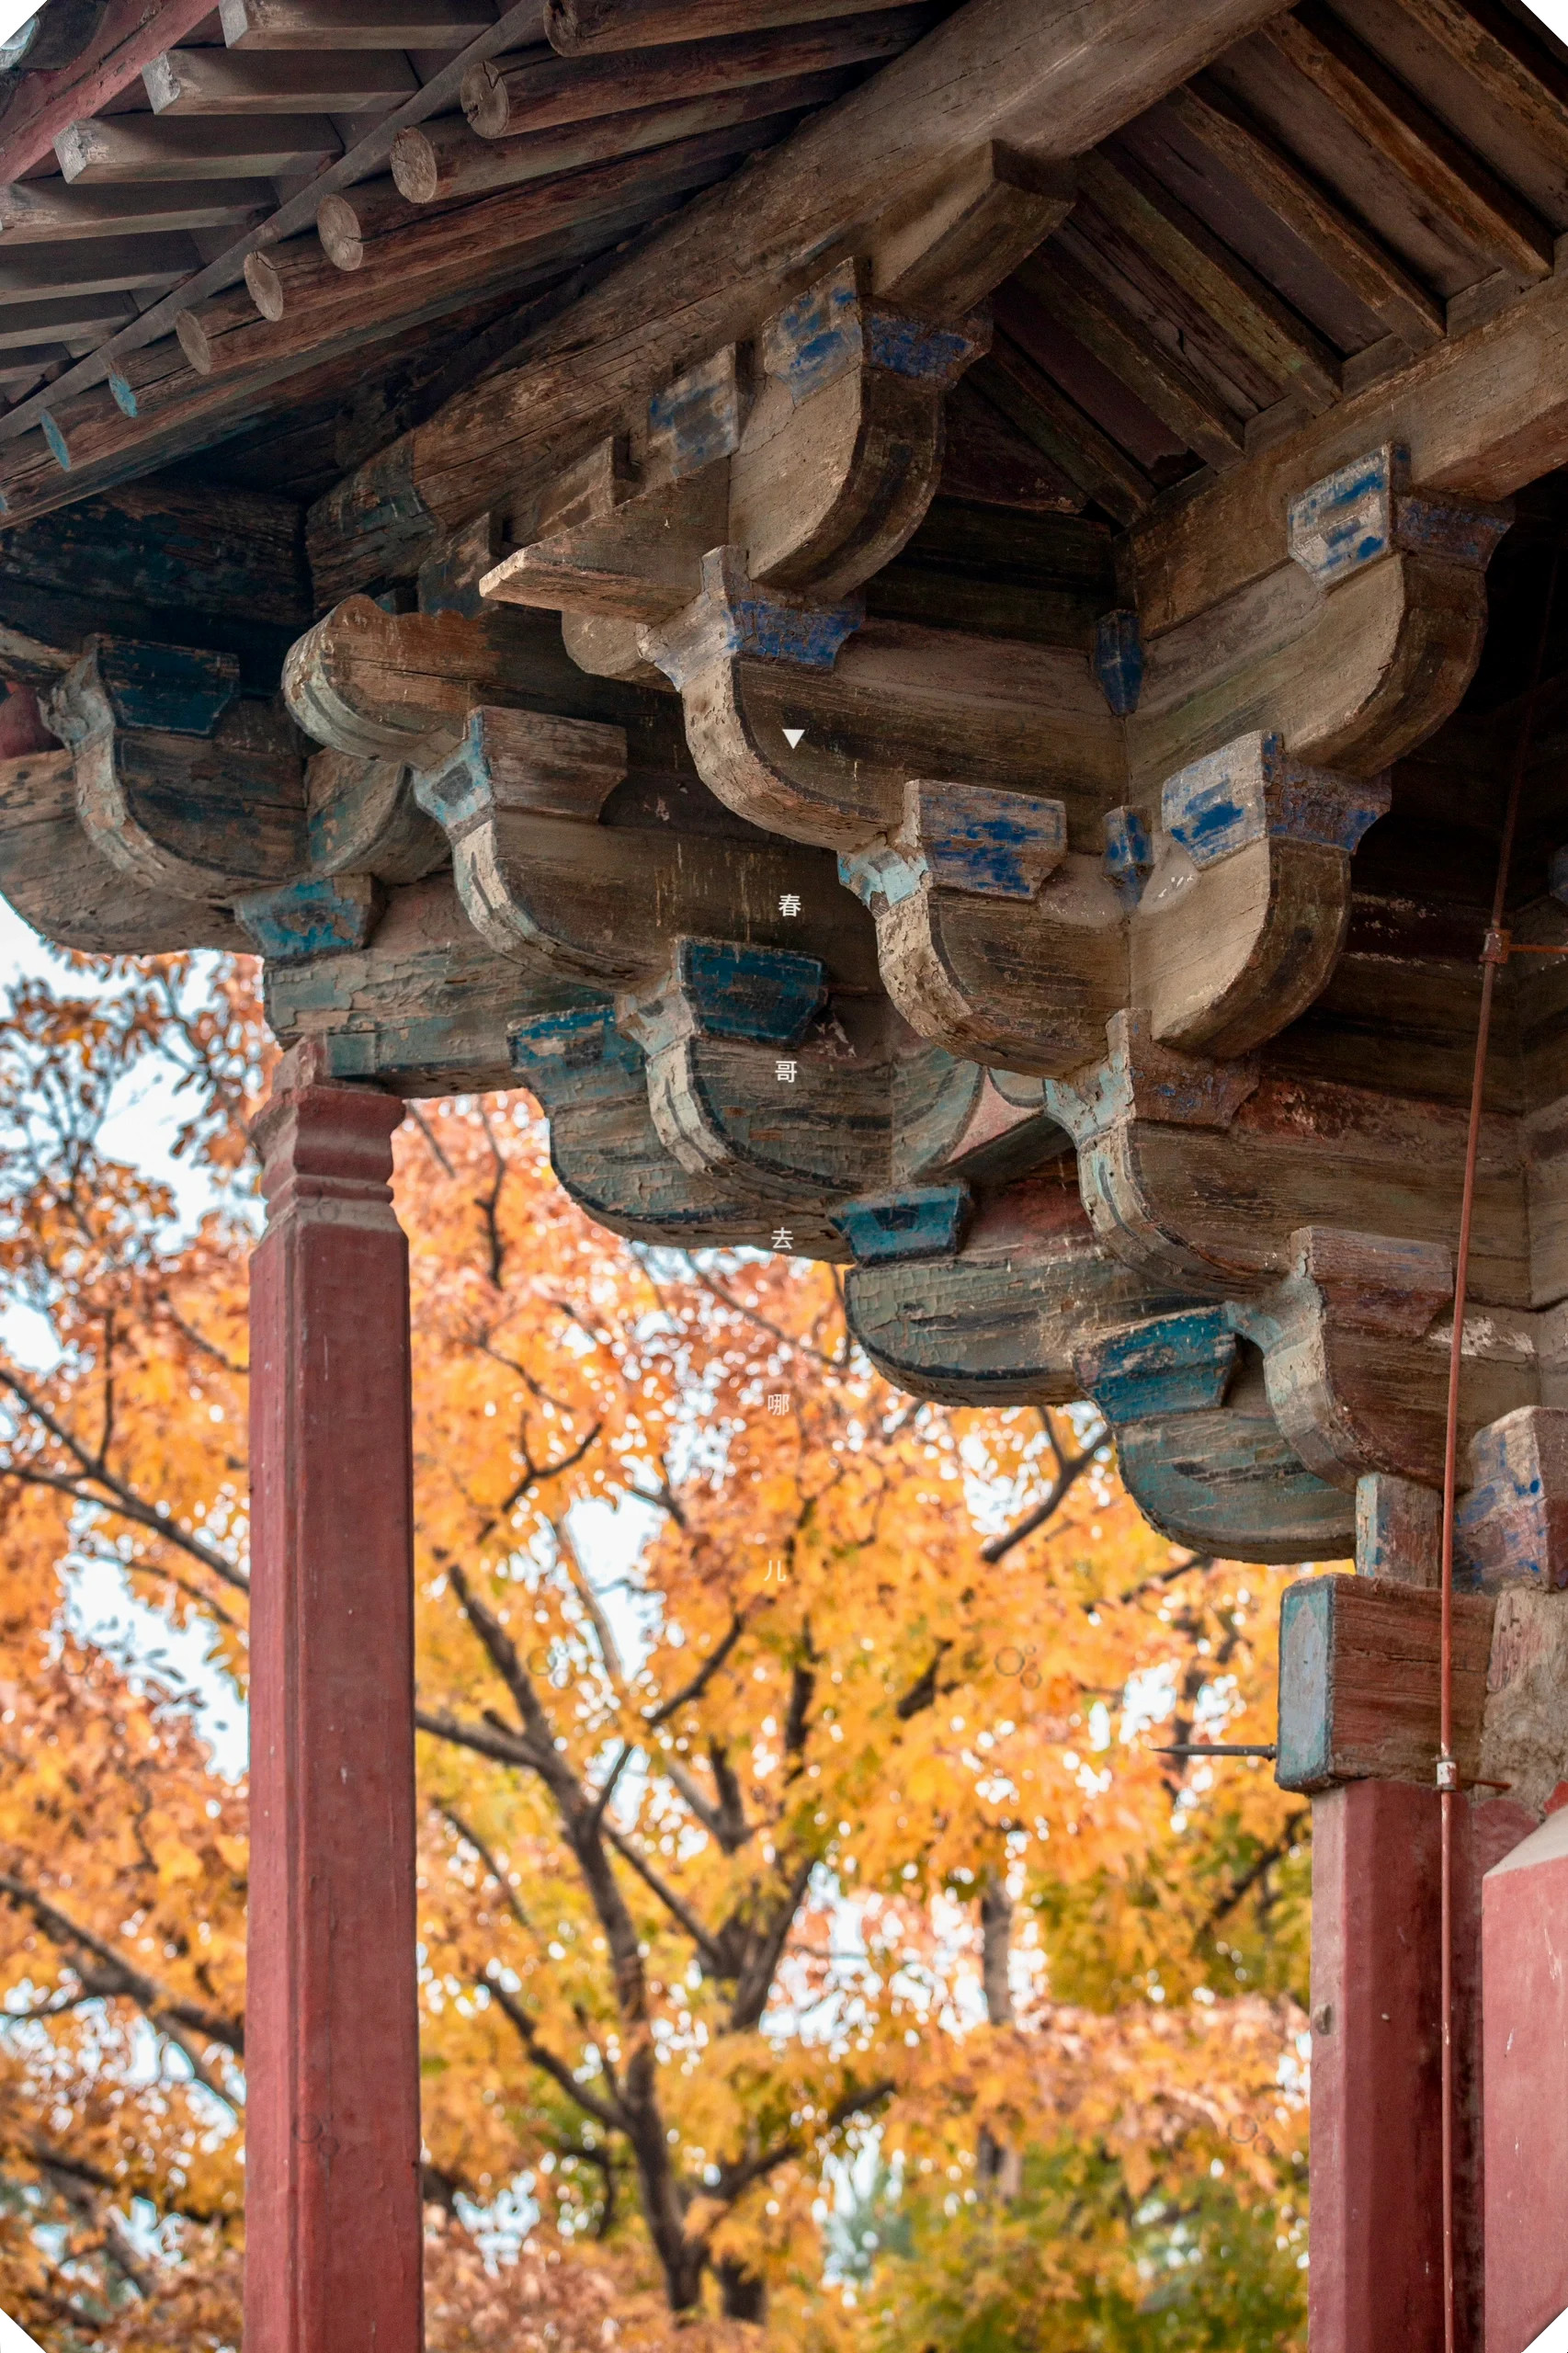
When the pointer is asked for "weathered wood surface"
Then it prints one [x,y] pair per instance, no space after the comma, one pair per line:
[1479,416]
[360,24]
[533,90]
[58,883]
[995,71]
[1359,1682]
[580,27]
[543,880]
[129,37]
[1005,1315]
[438,161]
[213,82]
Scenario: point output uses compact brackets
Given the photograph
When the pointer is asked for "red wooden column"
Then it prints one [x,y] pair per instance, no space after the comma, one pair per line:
[332,2201]
[1359,1731]
[1526,1964]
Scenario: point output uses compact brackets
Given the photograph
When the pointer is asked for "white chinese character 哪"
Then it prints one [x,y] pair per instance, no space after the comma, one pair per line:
[786,1071]
[779,1401]
[783,1239]
[790,902]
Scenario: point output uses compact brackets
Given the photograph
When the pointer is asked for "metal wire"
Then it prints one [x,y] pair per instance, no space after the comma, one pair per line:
[1494,955]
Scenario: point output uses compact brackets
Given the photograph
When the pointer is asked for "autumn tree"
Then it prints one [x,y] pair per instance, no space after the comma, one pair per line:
[790,1793]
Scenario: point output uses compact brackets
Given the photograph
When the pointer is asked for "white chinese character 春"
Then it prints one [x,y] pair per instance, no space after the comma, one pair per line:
[790,902]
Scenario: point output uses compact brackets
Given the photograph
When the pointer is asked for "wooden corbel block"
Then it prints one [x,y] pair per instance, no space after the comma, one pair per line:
[521,801]
[59,881]
[592,1084]
[843,452]
[1202,1171]
[1355,1358]
[992,939]
[943,248]
[745,1082]
[321,915]
[361,818]
[399,686]
[810,725]
[1200,1449]
[1001,1314]
[1359,1682]
[621,535]
[1354,650]
[1242,918]
[1512,1522]
[190,791]
[423,1009]
[816,452]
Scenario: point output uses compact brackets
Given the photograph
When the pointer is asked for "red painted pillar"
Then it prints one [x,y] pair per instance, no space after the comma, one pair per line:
[1525,1966]
[1376,2281]
[333,2217]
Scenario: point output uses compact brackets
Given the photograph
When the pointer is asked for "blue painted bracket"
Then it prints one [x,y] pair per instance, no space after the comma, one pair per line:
[1117,659]
[1178,1364]
[321,916]
[834,327]
[1128,854]
[1251,788]
[765,995]
[1366,510]
[573,1057]
[1513,1523]
[930,1223]
[733,620]
[177,690]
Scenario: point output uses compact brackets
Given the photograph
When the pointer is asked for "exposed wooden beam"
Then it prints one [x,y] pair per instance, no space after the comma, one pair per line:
[367,154]
[145,147]
[1381,281]
[352,220]
[1519,74]
[229,356]
[1053,83]
[1396,123]
[1174,392]
[1059,430]
[363,24]
[38,212]
[214,81]
[94,266]
[71,318]
[438,161]
[536,90]
[578,26]
[1242,304]
[1482,415]
[130,35]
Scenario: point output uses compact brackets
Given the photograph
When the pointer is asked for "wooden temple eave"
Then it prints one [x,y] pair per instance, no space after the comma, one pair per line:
[939,693]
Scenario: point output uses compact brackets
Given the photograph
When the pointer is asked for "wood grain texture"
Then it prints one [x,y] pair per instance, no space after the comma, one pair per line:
[1359,1681]
[994,71]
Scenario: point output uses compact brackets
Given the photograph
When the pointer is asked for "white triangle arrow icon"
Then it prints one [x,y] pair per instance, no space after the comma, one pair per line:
[792,736]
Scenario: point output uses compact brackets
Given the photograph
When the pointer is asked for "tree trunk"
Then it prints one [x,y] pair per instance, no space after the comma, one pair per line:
[742,2295]
[999,2169]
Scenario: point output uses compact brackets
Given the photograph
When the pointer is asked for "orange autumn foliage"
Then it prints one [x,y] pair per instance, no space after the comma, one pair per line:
[727,1726]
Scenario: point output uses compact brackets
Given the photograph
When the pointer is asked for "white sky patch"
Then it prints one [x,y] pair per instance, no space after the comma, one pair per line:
[1554,15]
[12,2338]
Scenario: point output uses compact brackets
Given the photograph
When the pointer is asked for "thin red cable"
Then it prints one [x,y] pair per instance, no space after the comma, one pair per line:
[1493,955]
